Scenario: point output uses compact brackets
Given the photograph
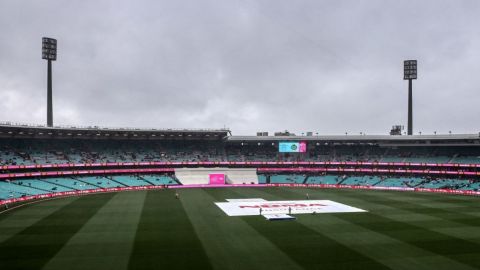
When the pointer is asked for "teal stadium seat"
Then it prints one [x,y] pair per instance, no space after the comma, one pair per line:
[326,179]
[159,179]
[287,179]
[130,181]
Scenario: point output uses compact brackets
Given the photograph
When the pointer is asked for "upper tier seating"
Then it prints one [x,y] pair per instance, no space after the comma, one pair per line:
[28,152]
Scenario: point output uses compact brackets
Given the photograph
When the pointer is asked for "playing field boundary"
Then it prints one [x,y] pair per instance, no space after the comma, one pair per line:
[121,189]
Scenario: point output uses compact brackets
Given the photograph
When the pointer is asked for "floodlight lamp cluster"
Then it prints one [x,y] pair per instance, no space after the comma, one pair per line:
[410,69]
[49,49]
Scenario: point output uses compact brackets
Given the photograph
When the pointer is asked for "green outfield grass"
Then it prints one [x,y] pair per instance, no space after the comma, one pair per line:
[153,230]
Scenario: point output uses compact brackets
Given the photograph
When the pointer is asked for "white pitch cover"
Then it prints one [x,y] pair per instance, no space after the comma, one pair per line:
[251,208]
[278,217]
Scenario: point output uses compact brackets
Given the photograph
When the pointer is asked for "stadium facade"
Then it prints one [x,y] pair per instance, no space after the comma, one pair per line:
[40,161]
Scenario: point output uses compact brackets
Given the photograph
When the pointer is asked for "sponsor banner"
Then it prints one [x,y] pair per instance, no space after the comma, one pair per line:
[284,207]
[217,178]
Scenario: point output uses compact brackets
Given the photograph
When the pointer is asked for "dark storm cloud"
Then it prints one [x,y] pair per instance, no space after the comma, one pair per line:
[321,66]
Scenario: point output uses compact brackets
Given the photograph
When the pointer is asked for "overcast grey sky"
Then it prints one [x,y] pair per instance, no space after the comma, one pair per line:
[321,66]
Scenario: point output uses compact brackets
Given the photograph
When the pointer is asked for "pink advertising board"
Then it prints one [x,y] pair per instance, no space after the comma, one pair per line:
[217,179]
[302,147]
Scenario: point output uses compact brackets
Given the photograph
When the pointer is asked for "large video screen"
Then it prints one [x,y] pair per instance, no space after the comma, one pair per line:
[292,147]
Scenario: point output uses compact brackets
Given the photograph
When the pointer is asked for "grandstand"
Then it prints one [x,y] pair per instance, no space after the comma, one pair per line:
[41,160]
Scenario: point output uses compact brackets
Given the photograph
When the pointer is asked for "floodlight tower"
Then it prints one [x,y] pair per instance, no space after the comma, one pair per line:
[49,53]
[410,73]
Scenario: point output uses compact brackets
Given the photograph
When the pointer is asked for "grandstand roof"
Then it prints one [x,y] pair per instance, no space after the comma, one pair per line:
[395,140]
[9,130]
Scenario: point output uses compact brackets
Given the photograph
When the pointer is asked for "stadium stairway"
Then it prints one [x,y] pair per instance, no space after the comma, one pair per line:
[70,183]
[158,180]
[342,180]
[130,181]
[81,179]
[102,182]
[24,190]
[54,181]
[147,180]
[42,185]
[118,182]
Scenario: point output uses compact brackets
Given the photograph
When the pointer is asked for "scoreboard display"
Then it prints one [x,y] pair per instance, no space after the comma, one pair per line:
[292,147]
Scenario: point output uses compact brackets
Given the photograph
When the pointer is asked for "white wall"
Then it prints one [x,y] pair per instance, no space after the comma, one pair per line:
[196,176]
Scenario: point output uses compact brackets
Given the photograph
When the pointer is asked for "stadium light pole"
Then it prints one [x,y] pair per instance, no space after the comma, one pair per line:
[410,73]
[49,53]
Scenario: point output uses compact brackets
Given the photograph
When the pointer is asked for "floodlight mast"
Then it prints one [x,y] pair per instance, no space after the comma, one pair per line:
[410,73]
[49,53]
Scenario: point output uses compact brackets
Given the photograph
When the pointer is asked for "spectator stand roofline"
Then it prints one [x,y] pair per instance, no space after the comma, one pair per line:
[18,130]
[386,140]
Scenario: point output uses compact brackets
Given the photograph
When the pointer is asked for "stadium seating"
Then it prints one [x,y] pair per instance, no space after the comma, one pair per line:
[45,151]
[18,152]
[445,183]
[287,179]
[262,179]
[12,186]
[400,182]
[100,181]
[42,185]
[26,187]
[475,186]
[130,181]
[71,183]
[362,180]
[158,179]
[326,179]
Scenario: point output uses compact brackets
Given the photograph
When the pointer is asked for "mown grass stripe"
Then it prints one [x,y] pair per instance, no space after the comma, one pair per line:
[451,247]
[229,242]
[165,238]
[446,222]
[16,220]
[431,209]
[33,247]
[308,248]
[442,213]
[377,245]
[106,240]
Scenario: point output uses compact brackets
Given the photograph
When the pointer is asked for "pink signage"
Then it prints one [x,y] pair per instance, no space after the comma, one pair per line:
[302,147]
[217,179]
